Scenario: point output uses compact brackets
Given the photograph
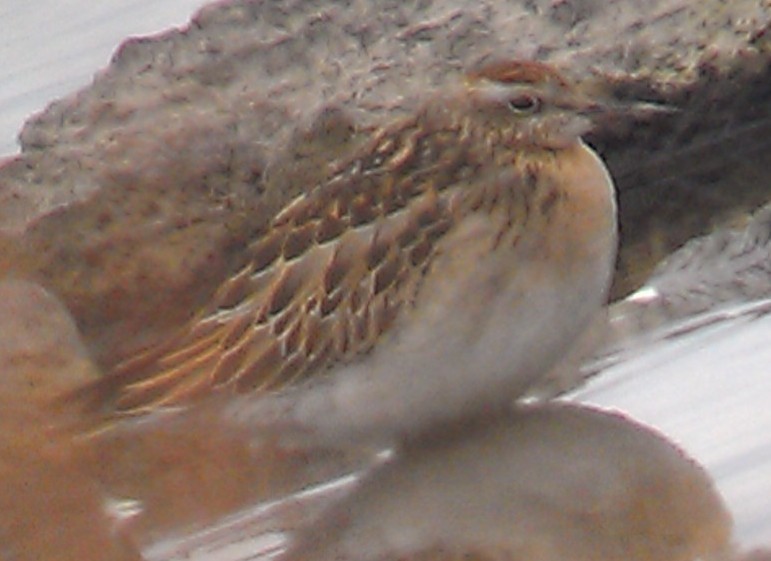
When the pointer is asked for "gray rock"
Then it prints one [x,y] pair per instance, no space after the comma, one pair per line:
[133,198]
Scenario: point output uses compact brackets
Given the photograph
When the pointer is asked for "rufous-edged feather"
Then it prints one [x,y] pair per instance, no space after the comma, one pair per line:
[343,263]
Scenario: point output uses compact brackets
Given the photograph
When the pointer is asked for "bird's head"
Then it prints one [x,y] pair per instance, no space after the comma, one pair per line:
[529,103]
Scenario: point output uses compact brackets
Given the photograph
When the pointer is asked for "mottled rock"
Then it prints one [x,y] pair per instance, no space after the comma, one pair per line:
[49,507]
[133,198]
[41,353]
[549,483]
[731,266]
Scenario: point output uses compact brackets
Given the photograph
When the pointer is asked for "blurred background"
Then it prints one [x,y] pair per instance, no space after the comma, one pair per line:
[50,48]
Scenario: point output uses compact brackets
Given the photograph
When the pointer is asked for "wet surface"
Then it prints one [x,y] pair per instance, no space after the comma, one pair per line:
[703,385]
[709,391]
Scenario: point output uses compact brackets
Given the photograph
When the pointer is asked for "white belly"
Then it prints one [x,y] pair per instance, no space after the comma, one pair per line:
[474,342]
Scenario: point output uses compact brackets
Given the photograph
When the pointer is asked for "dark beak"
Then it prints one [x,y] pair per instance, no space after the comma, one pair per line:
[642,110]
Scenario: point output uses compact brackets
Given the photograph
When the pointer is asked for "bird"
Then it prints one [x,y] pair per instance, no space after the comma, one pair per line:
[541,482]
[435,269]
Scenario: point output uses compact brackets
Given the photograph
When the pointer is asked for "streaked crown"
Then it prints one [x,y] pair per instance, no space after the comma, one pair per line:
[540,108]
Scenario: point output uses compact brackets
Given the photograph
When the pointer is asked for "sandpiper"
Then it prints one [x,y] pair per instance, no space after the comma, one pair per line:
[436,271]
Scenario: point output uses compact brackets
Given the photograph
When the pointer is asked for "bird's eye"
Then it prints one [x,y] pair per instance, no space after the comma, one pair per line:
[524,103]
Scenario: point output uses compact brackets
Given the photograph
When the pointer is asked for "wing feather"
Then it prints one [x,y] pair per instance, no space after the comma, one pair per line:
[332,274]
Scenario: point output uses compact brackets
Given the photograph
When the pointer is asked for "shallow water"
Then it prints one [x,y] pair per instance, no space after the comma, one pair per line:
[709,391]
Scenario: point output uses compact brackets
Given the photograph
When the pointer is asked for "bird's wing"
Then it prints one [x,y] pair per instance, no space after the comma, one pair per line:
[327,279]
